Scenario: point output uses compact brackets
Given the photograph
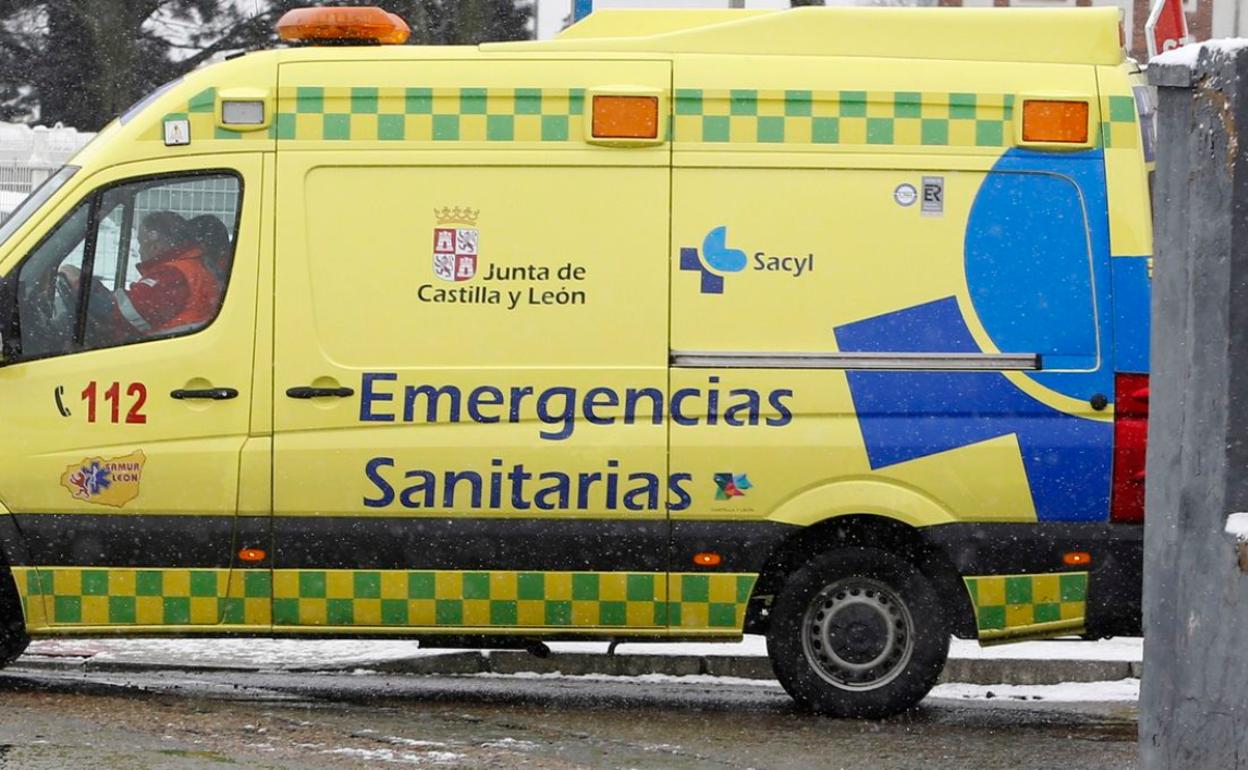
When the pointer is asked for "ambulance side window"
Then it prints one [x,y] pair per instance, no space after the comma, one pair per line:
[153,257]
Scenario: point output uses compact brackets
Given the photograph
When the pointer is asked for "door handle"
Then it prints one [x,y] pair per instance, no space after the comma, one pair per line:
[214,394]
[307,391]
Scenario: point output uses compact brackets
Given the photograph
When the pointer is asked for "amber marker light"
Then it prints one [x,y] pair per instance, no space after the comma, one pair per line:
[366,24]
[1077,558]
[626,117]
[251,555]
[707,559]
[1055,121]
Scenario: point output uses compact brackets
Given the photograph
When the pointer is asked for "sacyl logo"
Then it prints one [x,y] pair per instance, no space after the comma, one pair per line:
[717,259]
[715,256]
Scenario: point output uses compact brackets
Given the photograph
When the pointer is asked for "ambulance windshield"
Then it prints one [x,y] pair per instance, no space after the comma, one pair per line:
[34,201]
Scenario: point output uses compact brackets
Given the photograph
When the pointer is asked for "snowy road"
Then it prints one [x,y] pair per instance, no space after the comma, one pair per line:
[288,720]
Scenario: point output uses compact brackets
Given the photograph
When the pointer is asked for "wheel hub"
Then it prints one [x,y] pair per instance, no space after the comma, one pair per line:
[858,634]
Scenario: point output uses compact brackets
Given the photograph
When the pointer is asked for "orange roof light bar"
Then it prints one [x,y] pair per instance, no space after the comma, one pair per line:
[367,24]
[626,117]
[1046,120]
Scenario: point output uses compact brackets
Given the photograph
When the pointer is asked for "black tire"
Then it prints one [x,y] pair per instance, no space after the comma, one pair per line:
[13,638]
[858,632]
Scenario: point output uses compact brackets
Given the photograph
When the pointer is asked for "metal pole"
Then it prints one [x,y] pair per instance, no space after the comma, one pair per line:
[1192,704]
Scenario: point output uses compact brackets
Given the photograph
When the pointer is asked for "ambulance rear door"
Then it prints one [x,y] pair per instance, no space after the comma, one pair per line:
[910,308]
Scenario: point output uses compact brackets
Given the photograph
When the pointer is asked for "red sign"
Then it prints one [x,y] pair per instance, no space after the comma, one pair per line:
[1166,27]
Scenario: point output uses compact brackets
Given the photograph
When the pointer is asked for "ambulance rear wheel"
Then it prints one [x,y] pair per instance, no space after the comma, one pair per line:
[13,640]
[858,632]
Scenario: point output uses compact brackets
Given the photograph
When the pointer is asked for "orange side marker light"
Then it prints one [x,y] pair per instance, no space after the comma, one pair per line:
[626,117]
[1055,121]
[251,555]
[1077,558]
[707,559]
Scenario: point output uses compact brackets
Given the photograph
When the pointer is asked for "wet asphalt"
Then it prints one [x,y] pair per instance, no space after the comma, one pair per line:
[118,721]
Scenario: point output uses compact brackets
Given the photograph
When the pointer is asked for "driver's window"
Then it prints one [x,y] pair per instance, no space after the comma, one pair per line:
[154,257]
[47,299]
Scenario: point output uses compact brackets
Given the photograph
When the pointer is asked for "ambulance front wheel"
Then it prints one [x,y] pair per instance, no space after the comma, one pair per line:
[13,643]
[858,632]
[13,640]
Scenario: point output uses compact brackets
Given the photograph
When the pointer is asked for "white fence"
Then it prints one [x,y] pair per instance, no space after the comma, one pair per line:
[30,155]
[17,180]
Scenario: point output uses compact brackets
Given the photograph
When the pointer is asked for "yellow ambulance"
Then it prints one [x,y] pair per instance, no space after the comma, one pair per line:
[828,324]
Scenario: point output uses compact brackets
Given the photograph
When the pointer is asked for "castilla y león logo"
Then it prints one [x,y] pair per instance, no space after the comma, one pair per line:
[113,481]
[730,485]
[455,243]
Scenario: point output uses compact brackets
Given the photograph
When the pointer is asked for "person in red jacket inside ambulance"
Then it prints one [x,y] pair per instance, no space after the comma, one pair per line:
[176,291]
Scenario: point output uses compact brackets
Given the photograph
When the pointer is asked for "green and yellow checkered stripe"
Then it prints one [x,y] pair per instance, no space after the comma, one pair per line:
[700,116]
[143,597]
[422,114]
[843,118]
[384,598]
[1010,606]
[1118,127]
[416,114]
[510,599]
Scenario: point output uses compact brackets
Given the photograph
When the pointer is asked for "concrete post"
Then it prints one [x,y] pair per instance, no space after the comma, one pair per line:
[1194,702]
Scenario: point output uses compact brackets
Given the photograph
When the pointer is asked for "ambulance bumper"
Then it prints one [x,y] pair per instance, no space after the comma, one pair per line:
[1115,573]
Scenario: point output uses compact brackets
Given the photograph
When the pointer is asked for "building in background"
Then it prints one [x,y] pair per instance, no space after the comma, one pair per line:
[1230,19]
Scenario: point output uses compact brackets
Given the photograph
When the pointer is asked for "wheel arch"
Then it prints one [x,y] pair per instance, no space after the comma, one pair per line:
[868,531]
[12,549]
[10,599]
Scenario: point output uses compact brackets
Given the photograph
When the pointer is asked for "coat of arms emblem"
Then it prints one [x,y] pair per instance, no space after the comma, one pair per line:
[455,243]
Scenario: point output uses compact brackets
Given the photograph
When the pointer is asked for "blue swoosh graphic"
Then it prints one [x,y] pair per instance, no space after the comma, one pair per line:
[717,254]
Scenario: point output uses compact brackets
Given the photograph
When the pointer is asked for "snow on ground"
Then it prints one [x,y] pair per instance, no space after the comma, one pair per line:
[346,654]
[1067,692]
[398,757]
[337,653]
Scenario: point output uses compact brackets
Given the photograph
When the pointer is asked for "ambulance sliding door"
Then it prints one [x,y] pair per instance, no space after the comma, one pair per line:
[471,351]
